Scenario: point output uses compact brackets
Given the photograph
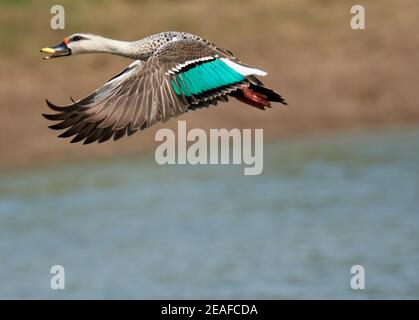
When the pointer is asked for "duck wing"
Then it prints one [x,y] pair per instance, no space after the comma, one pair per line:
[181,75]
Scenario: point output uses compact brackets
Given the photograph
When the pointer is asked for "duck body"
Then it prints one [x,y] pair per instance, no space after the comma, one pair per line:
[173,72]
[145,48]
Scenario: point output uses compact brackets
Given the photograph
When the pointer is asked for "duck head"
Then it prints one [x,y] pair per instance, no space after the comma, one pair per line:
[75,44]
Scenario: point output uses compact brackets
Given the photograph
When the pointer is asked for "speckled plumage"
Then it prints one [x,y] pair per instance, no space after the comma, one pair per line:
[143,49]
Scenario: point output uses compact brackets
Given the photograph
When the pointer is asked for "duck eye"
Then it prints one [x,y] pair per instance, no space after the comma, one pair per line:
[76,38]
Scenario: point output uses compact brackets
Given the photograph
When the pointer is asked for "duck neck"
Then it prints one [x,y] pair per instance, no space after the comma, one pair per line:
[131,50]
[116,47]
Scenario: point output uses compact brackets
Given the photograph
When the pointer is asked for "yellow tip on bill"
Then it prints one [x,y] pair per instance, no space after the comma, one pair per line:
[48,50]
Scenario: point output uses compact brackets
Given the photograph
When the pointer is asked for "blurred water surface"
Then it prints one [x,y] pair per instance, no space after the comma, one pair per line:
[133,229]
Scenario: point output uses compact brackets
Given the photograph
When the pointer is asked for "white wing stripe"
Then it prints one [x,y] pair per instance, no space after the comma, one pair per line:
[180,66]
[243,70]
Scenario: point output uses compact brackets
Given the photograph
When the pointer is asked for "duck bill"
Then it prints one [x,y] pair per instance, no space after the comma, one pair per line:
[60,50]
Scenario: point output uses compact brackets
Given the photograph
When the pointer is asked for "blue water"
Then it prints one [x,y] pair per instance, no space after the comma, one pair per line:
[133,229]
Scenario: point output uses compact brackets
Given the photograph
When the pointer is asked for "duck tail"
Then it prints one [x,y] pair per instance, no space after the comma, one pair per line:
[258,96]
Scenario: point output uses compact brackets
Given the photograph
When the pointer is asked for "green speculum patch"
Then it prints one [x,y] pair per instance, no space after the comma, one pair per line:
[204,77]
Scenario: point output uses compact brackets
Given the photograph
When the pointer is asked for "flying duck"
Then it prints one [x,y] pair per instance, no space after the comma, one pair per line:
[173,72]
